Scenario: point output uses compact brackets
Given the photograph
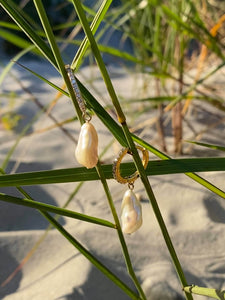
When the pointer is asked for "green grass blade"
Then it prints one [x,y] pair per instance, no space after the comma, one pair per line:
[212,293]
[43,79]
[195,84]
[119,231]
[16,40]
[216,147]
[94,26]
[91,258]
[82,250]
[66,25]
[155,207]
[52,41]
[193,176]
[154,168]
[54,209]
[8,67]
[9,25]
[14,13]
[162,99]
[118,53]
[192,31]
[102,67]
[49,33]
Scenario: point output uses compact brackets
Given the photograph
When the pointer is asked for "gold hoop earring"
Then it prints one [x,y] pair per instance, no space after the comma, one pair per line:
[86,151]
[116,165]
[131,216]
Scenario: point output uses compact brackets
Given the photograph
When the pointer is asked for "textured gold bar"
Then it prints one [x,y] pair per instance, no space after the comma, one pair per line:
[76,89]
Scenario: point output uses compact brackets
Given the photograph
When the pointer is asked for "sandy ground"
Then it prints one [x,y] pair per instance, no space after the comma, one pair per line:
[195,217]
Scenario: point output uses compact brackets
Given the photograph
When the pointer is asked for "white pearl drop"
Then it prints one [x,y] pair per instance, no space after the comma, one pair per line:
[86,151]
[131,212]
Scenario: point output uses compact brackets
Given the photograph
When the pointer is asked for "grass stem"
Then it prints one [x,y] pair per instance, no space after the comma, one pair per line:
[156,209]
[120,234]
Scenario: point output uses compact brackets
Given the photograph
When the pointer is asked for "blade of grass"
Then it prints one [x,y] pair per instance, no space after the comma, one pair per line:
[118,53]
[94,26]
[216,147]
[192,31]
[14,13]
[109,50]
[9,25]
[17,41]
[8,67]
[54,209]
[156,210]
[51,39]
[154,168]
[212,293]
[44,235]
[193,86]
[161,99]
[119,232]
[82,250]
[102,67]
[91,258]
[39,241]
[49,33]
[193,176]
[42,78]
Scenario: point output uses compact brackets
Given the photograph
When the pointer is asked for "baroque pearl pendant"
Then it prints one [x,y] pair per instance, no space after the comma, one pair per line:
[86,151]
[131,216]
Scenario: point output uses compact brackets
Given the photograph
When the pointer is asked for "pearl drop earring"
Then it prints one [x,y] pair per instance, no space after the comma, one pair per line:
[131,216]
[86,151]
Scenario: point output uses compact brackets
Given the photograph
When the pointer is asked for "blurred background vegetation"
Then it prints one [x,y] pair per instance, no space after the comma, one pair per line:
[166,39]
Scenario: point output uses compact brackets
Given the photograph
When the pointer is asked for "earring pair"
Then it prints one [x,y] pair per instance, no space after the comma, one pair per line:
[86,154]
